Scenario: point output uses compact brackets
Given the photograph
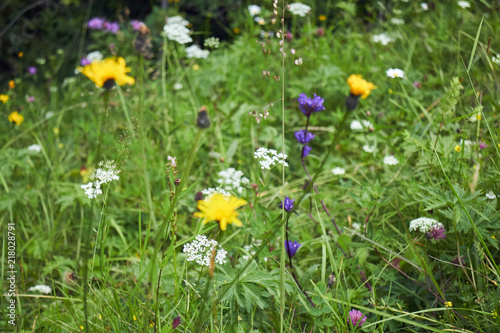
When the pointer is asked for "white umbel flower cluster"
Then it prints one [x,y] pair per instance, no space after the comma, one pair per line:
[35,148]
[41,289]
[424,224]
[105,174]
[299,9]
[201,249]
[176,30]
[338,171]
[390,160]
[232,180]
[269,158]
[208,192]
[382,38]
[359,126]
[194,51]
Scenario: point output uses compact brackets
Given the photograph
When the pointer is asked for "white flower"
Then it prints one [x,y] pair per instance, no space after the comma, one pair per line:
[194,51]
[212,42]
[466,142]
[269,158]
[232,180]
[299,9]
[176,30]
[496,59]
[369,149]
[254,10]
[208,192]
[36,148]
[338,171]
[266,34]
[103,175]
[382,38]
[424,6]
[259,20]
[94,56]
[298,62]
[490,195]
[390,160]
[49,115]
[397,21]
[424,224]
[395,72]
[356,226]
[41,289]
[359,126]
[464,4]
[177,20]
[201,249]
[172,161]
[178,86]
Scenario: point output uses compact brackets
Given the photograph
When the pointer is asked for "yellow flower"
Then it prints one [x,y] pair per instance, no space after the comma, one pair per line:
[458,149]
[478,116]
[322,17]
[20,54]
[494,237]
[106,72]
[448,304]
[218,207]
[135,318]
[360,86]
[4,98]
[12,85]
[16,118]
[236,30]
[196,67]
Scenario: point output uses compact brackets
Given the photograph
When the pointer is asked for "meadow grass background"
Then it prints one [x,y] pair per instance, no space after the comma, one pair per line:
[131,237]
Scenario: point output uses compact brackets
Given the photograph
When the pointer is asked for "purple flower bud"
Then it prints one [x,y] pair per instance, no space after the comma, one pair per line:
[356,318]
[303,136]
[291,248]
[482,144]
[436,233]
[31,99]
[308,105]
[96,23]
[84,62]
[305,151]
[288,204]
[176,322]
[32,70]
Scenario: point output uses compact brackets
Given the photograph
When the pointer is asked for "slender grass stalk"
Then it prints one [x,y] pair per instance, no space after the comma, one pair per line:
[164,81]
[284,225]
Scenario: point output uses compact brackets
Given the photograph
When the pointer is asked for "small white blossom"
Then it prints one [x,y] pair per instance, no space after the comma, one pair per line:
[424,224]
[49,115]
[356,226]
[250,248]
[35,148]
[178,86]
[299,62]
[212,42]
[254,10]
[424,6]
[232,180]
[464,4]
[266,34]
[359,126]
[397,21]
[395,72]
[194,51]
[41,289]
[269,158]
[390,160]
[299,9]
[490,195]
[338,171]
[496,59]
[201,249]
[369,149]
[94,56]
[259,20]
[382,38]
[172,161]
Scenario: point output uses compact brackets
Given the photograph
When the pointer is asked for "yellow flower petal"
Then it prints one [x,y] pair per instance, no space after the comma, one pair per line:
[16,118]
[108,70]
[218,207]
[359,86]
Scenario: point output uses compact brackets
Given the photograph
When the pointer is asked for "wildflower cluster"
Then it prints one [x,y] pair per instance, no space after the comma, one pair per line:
[175,29]
[98,23]
[269,158]
[382,38]
[194,51]
[359,126]
[208,192]
[299,9]
[232,180]
[425,224]
[105,174]
[390,160]
[41,289]
[212,42]
[201,251]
